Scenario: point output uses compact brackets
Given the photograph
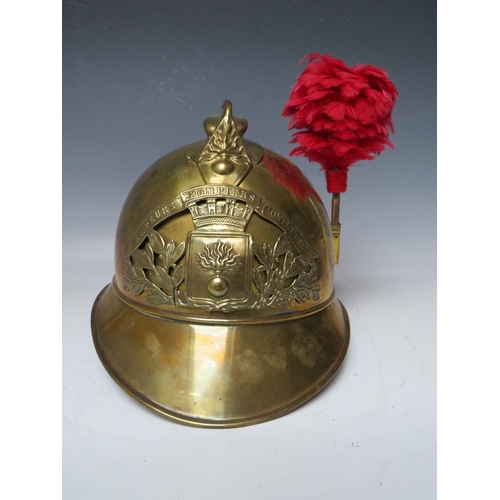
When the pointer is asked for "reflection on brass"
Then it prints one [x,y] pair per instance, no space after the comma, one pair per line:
[222,311]
[222,259]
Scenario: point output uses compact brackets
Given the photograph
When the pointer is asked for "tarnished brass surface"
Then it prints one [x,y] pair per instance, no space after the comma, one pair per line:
[222,311]
[218,375]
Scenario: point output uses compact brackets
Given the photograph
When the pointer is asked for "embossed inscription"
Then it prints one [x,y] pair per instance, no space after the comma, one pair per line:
[223,191]
[220,267]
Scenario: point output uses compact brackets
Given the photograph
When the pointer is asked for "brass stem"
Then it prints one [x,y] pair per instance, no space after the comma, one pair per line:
[335,208]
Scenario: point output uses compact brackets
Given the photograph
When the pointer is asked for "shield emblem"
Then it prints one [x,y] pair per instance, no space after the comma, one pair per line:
[219,269]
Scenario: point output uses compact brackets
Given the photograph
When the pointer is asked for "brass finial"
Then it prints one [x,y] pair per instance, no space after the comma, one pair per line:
[224,159]
[211,123]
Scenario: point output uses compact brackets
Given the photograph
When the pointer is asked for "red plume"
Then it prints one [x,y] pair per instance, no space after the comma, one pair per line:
[344,115]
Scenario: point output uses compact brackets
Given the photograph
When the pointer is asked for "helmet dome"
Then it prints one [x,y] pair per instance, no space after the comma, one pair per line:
[223,259]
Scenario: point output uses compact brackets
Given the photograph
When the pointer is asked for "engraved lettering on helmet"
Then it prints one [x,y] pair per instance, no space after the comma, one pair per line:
[222,267]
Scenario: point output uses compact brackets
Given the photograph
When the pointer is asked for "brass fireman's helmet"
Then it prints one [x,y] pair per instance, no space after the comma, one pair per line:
[222,311]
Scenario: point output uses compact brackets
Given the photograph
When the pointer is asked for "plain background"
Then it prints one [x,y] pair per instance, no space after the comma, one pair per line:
[102,456]
[30,367]
[138,80]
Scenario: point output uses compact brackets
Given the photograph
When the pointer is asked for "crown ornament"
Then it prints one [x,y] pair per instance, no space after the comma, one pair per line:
[212,213]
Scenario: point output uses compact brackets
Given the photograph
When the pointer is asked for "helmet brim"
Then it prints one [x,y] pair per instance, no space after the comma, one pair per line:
[219,376]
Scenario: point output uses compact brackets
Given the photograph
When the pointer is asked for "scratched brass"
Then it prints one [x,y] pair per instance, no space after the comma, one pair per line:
[222,311]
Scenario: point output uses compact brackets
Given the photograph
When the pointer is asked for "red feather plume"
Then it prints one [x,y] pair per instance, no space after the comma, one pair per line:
[343,115]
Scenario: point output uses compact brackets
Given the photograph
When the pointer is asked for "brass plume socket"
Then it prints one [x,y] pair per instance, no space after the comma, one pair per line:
[336,241]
